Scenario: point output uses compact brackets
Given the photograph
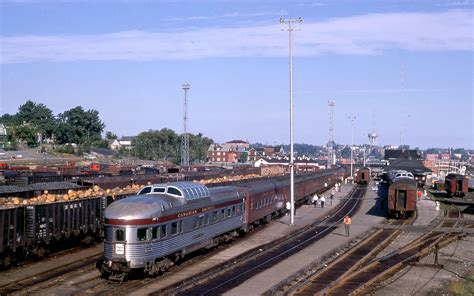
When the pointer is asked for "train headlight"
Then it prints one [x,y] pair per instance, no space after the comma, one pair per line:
[119,249]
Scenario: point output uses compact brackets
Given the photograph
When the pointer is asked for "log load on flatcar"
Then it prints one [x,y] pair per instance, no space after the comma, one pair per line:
[362,176]
[456,185]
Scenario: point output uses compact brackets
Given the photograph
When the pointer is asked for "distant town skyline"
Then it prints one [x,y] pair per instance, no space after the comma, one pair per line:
[411,61]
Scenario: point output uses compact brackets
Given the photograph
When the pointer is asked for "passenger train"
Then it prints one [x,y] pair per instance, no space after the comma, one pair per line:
[149,232]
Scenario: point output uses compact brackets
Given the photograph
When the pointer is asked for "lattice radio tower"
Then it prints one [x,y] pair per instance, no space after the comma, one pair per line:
[331,154]
[185,137]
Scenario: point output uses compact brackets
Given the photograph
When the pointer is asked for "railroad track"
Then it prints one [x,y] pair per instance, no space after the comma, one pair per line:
[82,277]
[355,273]
[218,280]
[350,261]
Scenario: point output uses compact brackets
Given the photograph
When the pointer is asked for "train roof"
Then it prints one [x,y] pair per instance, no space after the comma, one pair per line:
[404,181]
[169,198]
[186,190]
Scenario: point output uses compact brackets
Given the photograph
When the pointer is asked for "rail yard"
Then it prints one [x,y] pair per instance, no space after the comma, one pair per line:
[236,148]
[266,256]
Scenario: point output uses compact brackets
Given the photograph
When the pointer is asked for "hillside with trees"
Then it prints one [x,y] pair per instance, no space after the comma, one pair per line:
[35,125]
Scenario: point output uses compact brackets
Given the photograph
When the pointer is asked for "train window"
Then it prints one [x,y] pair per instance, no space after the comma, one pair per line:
[228,212]
[214,216]
[163,231]
[145,190]
[196,223]
[222,214]
[206,216]
[174,227]
[201,220]
[119,235]
[159,190]
[141,234]
[251,206]
[180,226]
[174,191]
[233,211]
[154,233]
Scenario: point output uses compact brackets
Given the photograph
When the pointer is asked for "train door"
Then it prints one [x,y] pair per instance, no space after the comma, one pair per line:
[401,199]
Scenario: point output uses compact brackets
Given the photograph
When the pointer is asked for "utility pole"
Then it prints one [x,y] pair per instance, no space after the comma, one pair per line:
[185,137]
[290,29]
[352,118]
[331,156]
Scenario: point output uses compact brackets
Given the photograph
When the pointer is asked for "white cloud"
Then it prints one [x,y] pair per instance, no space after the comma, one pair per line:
[357,35]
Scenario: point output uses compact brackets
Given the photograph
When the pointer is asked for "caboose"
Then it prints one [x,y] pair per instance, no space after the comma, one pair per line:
[456,185]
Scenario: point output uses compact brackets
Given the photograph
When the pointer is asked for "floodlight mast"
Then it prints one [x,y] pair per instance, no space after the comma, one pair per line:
[290,29]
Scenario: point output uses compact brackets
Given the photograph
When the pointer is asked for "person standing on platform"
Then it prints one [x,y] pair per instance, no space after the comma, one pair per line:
[332,195]
[288,208]
[347,224]
[314,200]
[323,199]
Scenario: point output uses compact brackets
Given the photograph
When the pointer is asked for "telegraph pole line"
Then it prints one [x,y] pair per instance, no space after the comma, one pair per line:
[290,29]
[185,136]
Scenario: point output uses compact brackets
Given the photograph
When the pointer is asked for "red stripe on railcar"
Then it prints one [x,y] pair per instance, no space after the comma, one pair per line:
[170,217]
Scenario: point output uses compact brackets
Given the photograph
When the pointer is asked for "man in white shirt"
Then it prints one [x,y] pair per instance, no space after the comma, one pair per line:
[315,199]
[288,208]
[323,199]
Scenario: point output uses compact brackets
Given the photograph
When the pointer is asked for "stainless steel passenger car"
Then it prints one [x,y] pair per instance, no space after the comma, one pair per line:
[165,222]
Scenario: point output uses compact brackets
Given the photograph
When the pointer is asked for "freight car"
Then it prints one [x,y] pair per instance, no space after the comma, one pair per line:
[164,222]
[456,185]
[362,176]
[31,232]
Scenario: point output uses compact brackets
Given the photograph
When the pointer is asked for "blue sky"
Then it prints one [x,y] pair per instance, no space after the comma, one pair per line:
[411,61]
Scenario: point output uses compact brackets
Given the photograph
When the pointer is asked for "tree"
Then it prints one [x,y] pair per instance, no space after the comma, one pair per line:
[79,126]
[110,136]
[198,145]
[243,157]
[28,134]
[40,116]
[8,120]
[157,145]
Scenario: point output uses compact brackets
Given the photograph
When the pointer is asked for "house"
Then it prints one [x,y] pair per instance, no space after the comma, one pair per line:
[3,135]
[230,152]
[125,142]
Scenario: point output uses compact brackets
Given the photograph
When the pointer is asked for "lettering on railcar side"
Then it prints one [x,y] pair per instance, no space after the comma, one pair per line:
[188,213]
